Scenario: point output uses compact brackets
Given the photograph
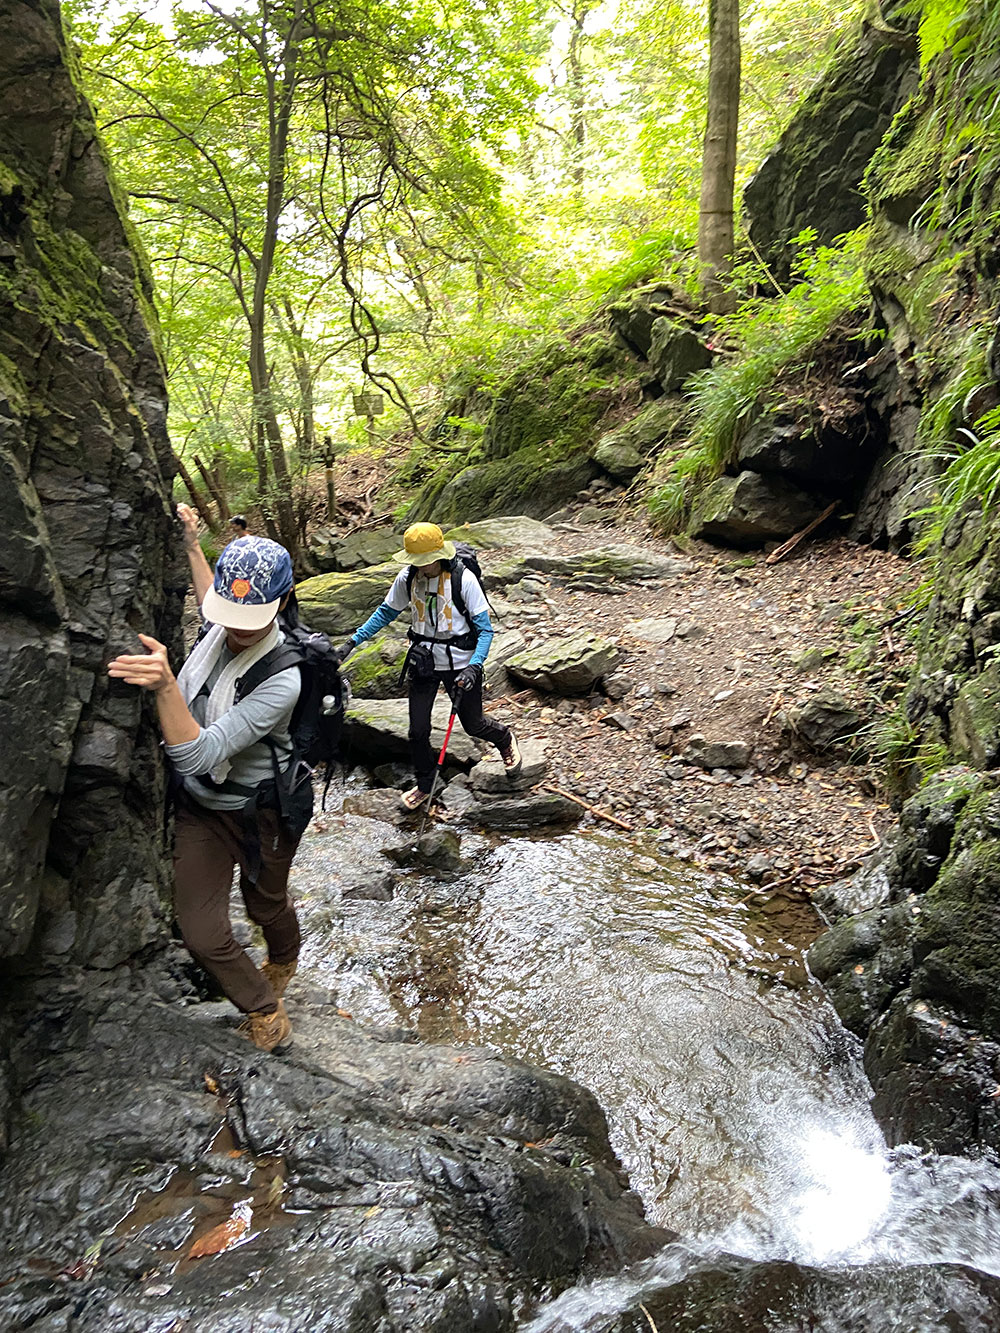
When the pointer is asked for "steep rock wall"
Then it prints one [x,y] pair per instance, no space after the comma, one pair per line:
[85,470]
[911,962]
[814,177]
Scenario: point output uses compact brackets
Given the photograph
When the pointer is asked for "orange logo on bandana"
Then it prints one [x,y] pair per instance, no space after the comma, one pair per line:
[240,587]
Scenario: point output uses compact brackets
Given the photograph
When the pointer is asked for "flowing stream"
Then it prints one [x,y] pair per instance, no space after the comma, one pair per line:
[735,1099]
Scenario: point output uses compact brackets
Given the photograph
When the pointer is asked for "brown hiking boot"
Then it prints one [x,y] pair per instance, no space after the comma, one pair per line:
[269,1032]
[511,756]
[279,975]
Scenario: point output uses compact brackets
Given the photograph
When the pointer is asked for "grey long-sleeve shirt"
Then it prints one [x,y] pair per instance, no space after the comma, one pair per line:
[238,736]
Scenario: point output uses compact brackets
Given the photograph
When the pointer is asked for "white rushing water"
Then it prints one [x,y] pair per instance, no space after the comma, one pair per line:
[735,1099]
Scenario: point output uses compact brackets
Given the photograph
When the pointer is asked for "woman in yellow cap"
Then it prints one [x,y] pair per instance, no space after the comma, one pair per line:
[450,635]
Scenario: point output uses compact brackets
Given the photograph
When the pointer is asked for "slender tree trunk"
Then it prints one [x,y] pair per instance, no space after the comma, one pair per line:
[195,494]
[577,95]
[718,172]
[281,96]
[213,489]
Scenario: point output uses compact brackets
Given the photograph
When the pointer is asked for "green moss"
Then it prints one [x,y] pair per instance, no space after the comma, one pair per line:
[533,481]
[373,668]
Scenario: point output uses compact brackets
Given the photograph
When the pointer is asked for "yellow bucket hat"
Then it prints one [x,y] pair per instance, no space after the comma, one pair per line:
[423,543]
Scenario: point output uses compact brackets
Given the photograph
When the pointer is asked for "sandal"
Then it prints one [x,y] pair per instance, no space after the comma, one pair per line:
[413,799]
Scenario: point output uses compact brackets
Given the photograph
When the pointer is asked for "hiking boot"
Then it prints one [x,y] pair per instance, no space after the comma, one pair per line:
[511,756]
[268,1032]
[279,975]
[413,799]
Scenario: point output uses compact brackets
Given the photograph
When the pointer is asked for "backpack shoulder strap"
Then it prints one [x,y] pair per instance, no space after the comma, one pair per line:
[457,596]
[411,574]
[279,659]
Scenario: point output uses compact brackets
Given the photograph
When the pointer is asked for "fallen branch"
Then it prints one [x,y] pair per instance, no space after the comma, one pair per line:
[780,552]
[594,810]
[824,876]
[368,523]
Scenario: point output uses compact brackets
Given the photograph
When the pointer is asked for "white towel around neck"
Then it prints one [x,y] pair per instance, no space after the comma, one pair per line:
[201,663]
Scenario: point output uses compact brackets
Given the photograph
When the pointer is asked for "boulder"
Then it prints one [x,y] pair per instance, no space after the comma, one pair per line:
[376,803]
[618,457]
[824,719]
[632,318]
[519,531]
[441,848]
[531,481]
[370,887]
[376,731]
[338,603]
[653,629]
[527,811]
[616,561]
[331,552]
[387,1183]
[717,754]
[373,668]
[750,509]
[507,643]
[568,666]
[675,353]
[490,777]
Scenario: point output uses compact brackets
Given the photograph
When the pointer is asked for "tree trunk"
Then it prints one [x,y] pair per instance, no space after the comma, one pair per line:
[718,170]
[213,489]
[199,503]
[577,95]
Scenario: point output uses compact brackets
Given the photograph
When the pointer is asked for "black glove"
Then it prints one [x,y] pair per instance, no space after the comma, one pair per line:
[341,653]
[468,678]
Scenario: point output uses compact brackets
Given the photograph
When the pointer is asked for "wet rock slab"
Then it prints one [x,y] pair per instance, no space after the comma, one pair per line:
[730,1295]
[409,1194]
[530,810]
[377,730]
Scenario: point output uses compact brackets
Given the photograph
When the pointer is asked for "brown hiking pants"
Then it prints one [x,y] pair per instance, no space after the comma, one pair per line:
[209,844]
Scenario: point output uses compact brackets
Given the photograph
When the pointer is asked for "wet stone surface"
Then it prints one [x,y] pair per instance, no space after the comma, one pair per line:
[364,1183]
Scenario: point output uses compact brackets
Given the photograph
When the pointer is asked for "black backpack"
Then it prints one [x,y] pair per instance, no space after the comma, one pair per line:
[317,723]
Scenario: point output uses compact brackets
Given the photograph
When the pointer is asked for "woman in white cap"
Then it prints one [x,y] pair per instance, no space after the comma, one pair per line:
[222,751]
[450,636]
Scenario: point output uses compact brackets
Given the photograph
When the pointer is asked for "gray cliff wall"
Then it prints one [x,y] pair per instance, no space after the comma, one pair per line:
[85,469]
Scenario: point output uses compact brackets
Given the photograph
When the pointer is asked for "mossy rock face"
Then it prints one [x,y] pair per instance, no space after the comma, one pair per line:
[566,666]
[975,719]
[556,397]
[519,531]
[338,603]
[533,452]
[930,960]
[813,177]
[864,962]
[373,668]
[533,481]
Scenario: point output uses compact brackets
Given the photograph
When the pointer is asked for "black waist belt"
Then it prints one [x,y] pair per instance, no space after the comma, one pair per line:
[227,788]
[465,641]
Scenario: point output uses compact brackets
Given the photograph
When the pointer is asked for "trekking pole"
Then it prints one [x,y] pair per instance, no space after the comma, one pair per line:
[437,771]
